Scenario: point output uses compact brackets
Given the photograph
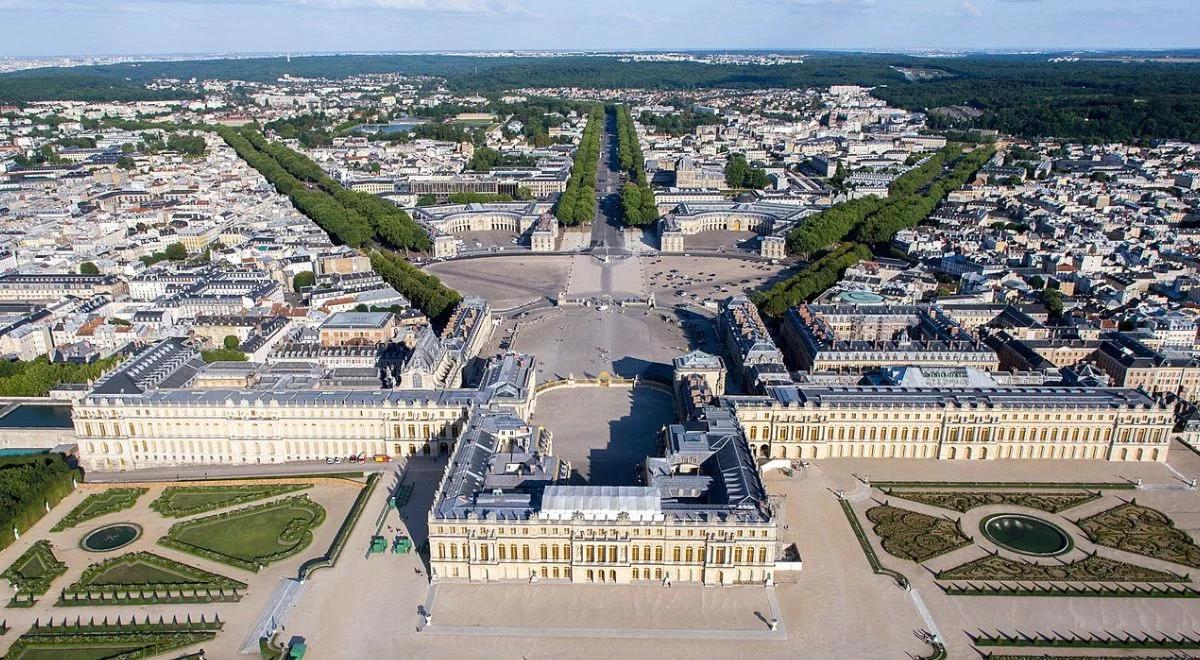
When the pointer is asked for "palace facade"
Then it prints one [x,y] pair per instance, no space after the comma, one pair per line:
[957,423]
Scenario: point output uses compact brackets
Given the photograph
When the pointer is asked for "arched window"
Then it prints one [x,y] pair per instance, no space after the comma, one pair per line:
[637,555]
[675,555]
[658,553]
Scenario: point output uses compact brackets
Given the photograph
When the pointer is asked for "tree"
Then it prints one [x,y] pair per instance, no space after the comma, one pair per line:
[88,268]
[735,171]
[231,343]
[1053,300]
[304,279]
[176,252]
[126,163]
[1037,282]
[740,174]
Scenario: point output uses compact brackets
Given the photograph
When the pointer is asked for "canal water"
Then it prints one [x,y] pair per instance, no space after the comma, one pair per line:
[29,416]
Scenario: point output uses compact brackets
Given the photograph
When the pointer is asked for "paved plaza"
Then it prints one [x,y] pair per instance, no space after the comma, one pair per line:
[626,341]
[507,281]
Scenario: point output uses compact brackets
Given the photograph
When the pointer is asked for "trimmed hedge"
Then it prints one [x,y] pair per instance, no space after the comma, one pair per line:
[128,640]
[27,484]
[1076,590]
[873,559]
[1095,641]
[329,559]
[190,578]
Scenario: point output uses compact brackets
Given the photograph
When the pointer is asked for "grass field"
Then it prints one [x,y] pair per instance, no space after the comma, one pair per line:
[250,537]
[179,501]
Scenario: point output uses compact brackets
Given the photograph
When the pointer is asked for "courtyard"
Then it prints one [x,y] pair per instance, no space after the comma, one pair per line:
[605,433]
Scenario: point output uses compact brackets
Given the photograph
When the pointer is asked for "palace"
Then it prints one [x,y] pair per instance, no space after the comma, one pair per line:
[770,221]
[703,515]
[853,338]
[984,423]
[446,221]
[157,410]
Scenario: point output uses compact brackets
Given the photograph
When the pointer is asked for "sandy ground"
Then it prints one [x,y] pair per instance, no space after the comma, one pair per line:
[239,617]
[506,281]
[697,279]
[606,434]
[475,240]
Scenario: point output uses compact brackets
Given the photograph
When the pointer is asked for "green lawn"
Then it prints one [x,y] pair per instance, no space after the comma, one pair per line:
[146,569]
[99,504]
[250,537]
[179,501]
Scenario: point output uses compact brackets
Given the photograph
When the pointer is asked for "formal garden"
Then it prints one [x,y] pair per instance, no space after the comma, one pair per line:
[1141,531]
[181,501]
[140,578]
[100,504]
[103,640]
[915,536]
[962,502]
[1035,559]
[1093,568]
[247,525]
[32,573]
[252,537]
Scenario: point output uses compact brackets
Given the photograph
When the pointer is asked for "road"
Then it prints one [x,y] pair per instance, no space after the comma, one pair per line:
[606,229]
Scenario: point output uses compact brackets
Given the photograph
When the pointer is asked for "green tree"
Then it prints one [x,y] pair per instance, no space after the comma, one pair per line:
[231,343]
[176,252]
[88,268]
[304,279]
[1053,300]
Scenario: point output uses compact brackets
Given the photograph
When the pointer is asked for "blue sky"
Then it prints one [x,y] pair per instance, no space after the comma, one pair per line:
[81,27]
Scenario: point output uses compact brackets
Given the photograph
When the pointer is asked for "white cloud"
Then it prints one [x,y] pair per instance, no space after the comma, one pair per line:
[971,9]
[439,6]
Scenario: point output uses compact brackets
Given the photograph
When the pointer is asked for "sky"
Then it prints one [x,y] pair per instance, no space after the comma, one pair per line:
[105,27]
